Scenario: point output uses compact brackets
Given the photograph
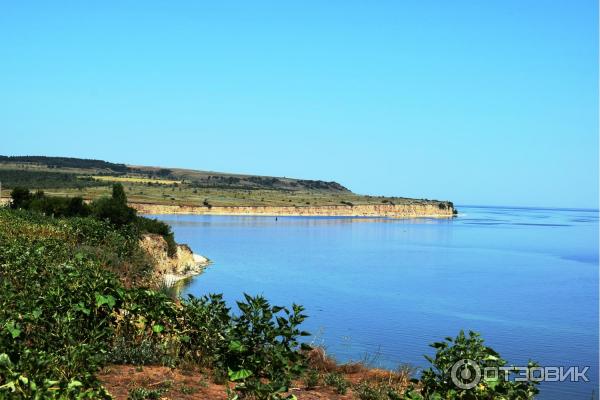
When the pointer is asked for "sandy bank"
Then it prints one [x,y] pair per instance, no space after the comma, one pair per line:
[417,210]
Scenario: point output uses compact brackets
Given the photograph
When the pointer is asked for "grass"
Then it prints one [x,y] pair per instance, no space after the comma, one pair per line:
[169,194]
[134,179]
[188,187]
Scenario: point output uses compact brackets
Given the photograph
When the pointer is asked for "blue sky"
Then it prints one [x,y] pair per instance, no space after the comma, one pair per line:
[479,102]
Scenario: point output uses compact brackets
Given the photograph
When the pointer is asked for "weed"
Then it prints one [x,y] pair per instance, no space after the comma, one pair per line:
[141,393]
[187,389]
[312,379]
[337,381]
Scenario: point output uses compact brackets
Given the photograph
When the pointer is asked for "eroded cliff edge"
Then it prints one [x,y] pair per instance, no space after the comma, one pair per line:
[170,269]
[420,210]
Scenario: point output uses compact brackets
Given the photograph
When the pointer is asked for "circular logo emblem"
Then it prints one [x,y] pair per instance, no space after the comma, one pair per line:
[466,374]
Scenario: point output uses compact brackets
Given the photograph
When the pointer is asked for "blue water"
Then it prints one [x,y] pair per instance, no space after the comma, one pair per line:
[526,279]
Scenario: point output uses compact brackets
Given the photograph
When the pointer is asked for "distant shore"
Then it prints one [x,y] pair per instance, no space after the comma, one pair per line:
[362,210]
[416,210]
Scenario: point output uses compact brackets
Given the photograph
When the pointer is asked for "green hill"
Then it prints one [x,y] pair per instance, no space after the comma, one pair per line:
[91,179]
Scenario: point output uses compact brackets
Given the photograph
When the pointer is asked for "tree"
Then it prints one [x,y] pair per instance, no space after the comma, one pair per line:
[77,207]
[118,194]
[113,210]
[20,197]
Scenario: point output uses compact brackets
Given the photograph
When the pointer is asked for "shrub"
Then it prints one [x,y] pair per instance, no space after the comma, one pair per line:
[312,379]
[436,382]
[63,316]
[263,354]
[337,381]
[53,206]
[367,391]
[151,225]
[145,351]
[52,302]
[141,393]
[20,198]
[118,194]
[113,210]
[203,326]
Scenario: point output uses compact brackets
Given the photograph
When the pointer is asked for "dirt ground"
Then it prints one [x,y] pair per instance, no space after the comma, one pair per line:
[176,384]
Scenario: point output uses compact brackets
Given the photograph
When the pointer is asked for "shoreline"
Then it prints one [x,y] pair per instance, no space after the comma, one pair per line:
[201,262]
[363,210]
[415,210]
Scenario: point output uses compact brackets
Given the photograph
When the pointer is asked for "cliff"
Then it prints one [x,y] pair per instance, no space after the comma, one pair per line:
[169,270]
[416,210]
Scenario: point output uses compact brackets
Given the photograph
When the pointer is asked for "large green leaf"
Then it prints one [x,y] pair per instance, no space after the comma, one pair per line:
[239,375]
[108,300]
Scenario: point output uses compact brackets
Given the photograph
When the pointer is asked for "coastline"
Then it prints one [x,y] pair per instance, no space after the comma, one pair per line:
[172,268]
[418,210]
[172,278]
[414,210]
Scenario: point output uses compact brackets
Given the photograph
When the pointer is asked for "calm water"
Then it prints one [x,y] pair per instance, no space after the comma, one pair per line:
[526,279]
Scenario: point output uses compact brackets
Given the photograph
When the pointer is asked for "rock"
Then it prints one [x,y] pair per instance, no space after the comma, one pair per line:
[182,265]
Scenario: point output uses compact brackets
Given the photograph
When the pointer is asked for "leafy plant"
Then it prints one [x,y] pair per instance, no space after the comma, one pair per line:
[337,381]
[437,381]
[263,355]
[368,391]
[312,379]
[141,393]
[204,325]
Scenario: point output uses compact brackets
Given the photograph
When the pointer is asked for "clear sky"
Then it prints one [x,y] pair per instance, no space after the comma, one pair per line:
[479,102]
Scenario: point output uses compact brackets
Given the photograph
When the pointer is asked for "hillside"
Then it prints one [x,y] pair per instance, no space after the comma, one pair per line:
[189,188]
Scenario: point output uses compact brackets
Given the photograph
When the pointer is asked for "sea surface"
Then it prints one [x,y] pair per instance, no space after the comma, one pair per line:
[382,289]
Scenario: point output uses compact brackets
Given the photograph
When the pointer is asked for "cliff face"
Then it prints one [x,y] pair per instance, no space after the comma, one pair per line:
[367,210]
[182,265]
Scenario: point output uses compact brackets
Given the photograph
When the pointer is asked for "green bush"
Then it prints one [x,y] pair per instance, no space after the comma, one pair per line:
[263,355]
[141,393]
[368,391]
[53,206]
[204,324]
[312,379]
[150,225]
[437,383]
[337,381]
[20,198]
[63,316]
[113,210]
[52,302]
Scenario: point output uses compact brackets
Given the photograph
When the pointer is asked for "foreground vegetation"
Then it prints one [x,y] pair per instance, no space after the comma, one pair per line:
[73,300]
[65,314]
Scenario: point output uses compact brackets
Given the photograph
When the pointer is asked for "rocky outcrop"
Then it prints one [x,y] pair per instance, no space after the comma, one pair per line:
[415,210]
[182,265]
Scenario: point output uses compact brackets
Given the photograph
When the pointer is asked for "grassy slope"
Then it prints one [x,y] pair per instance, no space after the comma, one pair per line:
[183,187]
